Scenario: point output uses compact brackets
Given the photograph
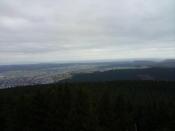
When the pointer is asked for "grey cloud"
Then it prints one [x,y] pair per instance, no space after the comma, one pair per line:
[81,29]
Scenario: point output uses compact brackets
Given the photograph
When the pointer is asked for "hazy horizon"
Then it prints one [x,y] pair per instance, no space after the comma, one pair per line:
[44,31]
[92,61]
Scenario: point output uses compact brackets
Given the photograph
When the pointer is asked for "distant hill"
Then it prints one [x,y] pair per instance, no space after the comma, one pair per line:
[166,63]
[32,74]
[127,74]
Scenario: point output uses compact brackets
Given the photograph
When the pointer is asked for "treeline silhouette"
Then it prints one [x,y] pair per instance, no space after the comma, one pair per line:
[89,106]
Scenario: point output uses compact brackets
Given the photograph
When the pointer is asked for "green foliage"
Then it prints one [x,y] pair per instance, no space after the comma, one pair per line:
[95,106]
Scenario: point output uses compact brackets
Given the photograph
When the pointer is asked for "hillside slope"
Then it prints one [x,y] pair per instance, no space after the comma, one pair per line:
[127,74]
[94,106]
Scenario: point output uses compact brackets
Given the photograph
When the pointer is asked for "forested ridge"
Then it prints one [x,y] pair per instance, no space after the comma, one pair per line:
[160,74]
[89,106]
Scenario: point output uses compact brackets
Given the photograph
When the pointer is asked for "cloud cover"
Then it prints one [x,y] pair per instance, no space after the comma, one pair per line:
[63,30]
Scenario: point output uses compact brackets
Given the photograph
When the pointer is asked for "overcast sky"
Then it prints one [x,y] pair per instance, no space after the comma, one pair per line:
[34,31]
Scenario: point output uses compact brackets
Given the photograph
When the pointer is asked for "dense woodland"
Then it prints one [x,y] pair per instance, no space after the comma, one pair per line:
[89,106]
[164,74]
